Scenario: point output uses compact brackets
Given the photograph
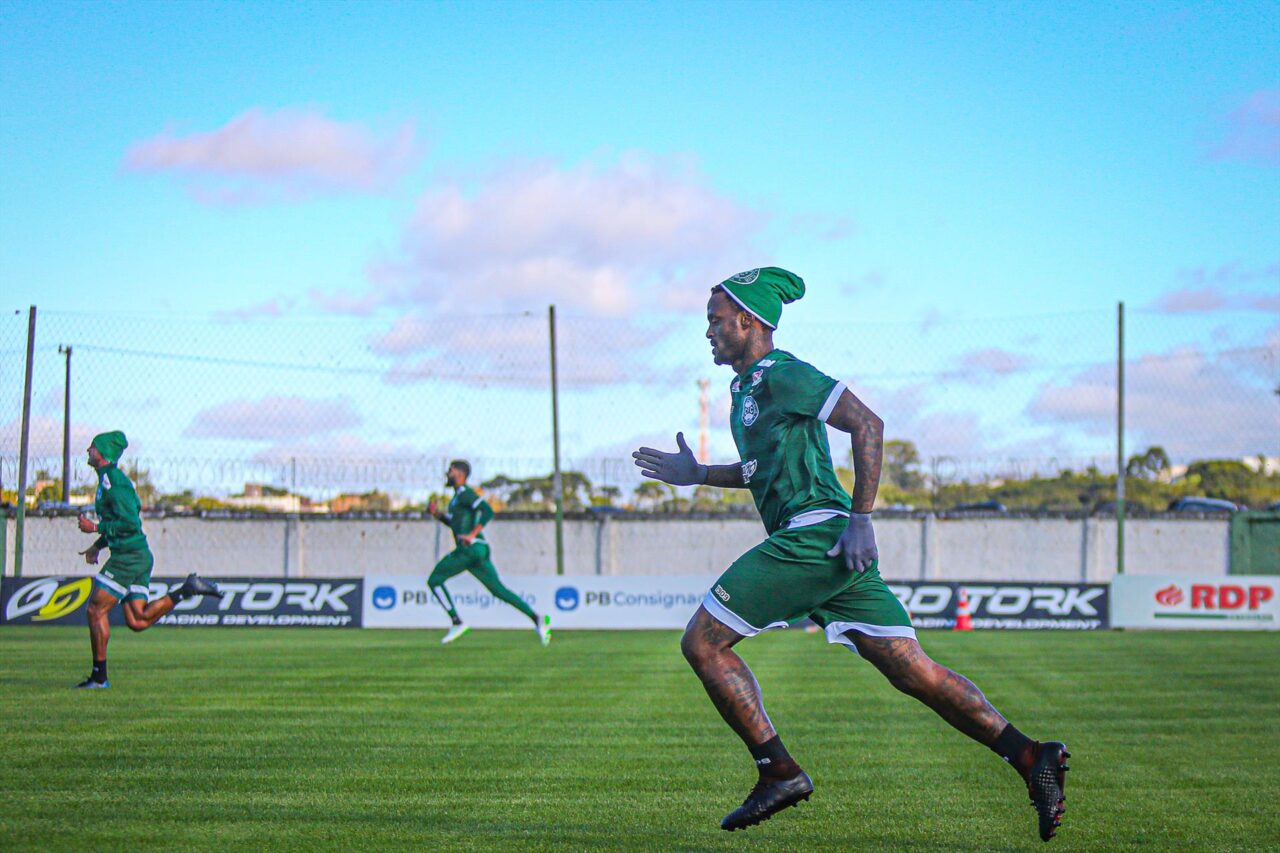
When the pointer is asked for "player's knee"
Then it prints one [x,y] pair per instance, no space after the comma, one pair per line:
[695,650]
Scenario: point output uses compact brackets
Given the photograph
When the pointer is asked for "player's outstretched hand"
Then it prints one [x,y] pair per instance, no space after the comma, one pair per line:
[679,469]
[90,555]
[857,543]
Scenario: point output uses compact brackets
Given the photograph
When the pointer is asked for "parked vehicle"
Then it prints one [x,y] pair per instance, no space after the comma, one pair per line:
[1199,504]
[982,506]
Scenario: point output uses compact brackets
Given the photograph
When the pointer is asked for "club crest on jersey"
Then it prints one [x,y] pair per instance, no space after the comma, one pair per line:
[748,469]
[105,482]
[746,277]
[750,410]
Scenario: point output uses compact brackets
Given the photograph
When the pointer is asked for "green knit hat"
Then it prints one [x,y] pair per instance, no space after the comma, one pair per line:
[762,291]
[110,444]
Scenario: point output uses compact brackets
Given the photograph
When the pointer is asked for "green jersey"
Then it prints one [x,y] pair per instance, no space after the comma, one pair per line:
[778,416]
[119,512]
[465,511]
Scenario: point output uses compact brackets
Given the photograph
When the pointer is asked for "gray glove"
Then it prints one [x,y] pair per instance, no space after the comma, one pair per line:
[679,469]
[857,543]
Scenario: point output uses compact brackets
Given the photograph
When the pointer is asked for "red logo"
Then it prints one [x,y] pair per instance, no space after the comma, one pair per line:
[1169,596]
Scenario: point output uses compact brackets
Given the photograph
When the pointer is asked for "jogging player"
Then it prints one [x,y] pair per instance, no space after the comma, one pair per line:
[127,574]
[466,516]
[820,558]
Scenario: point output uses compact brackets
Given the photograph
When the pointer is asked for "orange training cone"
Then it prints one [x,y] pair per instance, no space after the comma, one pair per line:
[964,622]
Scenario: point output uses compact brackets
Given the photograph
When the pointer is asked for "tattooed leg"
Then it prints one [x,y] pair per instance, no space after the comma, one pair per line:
[955,698]
[708,646]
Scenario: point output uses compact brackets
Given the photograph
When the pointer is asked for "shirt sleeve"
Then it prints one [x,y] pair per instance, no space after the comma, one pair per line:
[801,389]
[125,518]
[484,512]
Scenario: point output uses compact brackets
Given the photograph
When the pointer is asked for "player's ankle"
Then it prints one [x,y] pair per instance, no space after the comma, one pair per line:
[1016,748]
[773,761]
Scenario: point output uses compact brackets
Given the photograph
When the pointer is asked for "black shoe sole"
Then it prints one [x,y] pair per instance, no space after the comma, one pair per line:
[1047,787]
[759,820]
[755,820]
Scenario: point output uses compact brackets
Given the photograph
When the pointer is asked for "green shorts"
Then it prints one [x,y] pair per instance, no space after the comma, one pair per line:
[127,574]
[789,576]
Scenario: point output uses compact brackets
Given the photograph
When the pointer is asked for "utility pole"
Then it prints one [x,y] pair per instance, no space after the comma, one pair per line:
[66,428]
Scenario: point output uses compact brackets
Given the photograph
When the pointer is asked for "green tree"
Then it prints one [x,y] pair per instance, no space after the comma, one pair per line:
[1148,465]
[902,465]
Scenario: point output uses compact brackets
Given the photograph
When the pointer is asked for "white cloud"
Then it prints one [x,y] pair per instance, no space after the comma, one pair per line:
[261,156]
[1193,404]
[272,418]
[597,238]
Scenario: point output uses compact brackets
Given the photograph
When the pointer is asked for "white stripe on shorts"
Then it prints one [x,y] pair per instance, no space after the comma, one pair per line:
[814,516]
[835,632]
[736,623]
[119,590]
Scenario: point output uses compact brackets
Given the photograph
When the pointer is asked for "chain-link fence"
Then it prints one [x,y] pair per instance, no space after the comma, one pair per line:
[334,413]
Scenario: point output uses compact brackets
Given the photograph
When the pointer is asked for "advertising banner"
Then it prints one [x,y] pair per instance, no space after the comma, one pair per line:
[668,602]
[1008,606]
[1210,603]
[272,602]
[399,601]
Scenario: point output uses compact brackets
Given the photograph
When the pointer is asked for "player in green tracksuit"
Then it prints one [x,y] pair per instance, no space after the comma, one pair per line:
[127,574]
[467,515]
[820,558]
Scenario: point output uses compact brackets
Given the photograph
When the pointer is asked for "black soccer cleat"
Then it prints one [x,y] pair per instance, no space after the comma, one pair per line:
[1046,783]
[766,799]
[196,585]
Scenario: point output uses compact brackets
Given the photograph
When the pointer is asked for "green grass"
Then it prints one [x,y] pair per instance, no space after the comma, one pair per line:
[300,739]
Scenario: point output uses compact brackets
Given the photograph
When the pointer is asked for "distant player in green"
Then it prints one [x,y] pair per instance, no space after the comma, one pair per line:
[127,574]
[466,516]
[820,559]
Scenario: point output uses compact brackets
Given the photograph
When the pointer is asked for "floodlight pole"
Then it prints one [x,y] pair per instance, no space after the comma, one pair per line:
[557,486]
[23,443]
[1120,471]
[66,428]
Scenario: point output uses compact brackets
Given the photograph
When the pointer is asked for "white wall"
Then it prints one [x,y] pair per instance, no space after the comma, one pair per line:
[930,548]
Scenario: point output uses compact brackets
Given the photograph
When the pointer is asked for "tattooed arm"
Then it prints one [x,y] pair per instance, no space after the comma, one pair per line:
[858,542]
[866,429]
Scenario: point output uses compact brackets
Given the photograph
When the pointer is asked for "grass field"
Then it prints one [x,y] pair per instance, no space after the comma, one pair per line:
[301,739]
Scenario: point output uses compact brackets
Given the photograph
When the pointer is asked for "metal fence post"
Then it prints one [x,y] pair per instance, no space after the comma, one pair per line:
[22,447]
[1120,439]
[557,485]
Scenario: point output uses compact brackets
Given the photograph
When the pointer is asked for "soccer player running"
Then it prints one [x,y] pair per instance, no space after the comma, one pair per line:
[127,574]
[820,558]
[466,516]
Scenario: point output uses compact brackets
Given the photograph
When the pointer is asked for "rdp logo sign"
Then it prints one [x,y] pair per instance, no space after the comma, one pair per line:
[1218,596]
[46,599]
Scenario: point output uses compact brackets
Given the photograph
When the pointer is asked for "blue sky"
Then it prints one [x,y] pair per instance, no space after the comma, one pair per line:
[935,171]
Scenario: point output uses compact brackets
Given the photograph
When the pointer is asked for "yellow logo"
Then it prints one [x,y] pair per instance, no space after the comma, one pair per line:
[64,600]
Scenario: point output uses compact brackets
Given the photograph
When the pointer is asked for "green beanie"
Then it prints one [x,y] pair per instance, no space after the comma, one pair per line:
[762,291]
[111,444]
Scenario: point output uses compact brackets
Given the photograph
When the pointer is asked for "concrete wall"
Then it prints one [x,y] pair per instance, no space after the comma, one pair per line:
[929,548]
